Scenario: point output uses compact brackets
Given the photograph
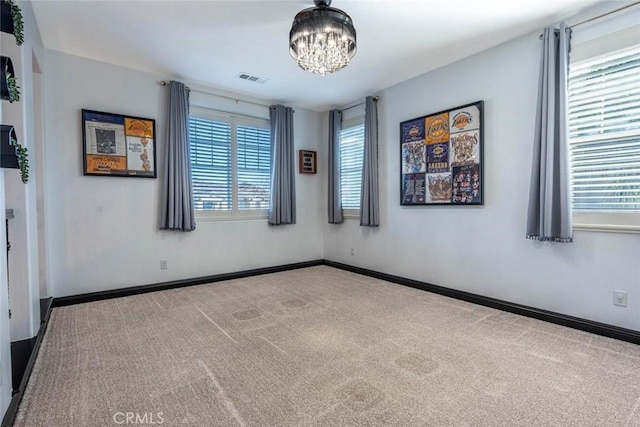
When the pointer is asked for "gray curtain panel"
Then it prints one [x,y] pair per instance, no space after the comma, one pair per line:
[369,199]
[335,201]
[177,212]
[282,206]
[549,214]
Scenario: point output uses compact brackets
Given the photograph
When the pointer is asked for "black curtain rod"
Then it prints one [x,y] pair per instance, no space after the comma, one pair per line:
[601,16]
[375,98]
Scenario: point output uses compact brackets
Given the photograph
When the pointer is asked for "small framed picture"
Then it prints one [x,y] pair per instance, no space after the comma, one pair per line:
[307,161]
[118,145]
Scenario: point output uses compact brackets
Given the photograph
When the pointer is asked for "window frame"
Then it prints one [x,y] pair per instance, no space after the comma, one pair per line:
[604,221]
[234,120]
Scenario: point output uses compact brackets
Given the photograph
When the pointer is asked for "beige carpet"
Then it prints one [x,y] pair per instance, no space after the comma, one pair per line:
[322,347]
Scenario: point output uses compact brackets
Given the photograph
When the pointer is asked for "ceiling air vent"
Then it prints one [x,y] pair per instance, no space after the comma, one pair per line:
[251,78]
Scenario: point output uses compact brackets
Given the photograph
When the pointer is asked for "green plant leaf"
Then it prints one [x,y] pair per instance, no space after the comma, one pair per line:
[18,23]
[23,159]
[14,89]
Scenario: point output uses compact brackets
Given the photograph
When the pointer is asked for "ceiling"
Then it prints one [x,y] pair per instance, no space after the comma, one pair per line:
[211,42]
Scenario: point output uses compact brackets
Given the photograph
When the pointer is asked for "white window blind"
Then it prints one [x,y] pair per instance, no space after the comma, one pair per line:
[254,172]
[230,164]
[351,156]
[210,146]
[604,132]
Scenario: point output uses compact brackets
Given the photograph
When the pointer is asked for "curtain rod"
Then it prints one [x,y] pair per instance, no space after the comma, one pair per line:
[164,83]
[375,98]
[602,15]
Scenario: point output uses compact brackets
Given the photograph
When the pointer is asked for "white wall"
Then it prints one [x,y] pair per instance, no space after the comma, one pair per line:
[5,339]
[23,233]
[39,164]
[483,249]
[102,232]
[23,285]
[25,297]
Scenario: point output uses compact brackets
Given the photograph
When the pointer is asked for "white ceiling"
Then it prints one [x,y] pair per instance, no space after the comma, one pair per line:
[210,42]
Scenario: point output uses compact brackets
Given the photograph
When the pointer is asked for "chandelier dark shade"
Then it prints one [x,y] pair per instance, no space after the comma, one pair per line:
[322,38]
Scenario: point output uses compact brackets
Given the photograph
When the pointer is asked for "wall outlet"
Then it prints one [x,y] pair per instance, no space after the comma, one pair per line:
[620,298]
[353,251]
[164,264]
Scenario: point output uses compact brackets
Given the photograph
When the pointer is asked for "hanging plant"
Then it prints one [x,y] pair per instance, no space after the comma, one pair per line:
[23,159]
[12,154]
[14,89]
[12,21]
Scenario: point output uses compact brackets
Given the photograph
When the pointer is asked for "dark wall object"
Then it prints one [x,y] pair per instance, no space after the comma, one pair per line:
[8,156]
[6,70]
[6,21]
[11,20]
[307,162]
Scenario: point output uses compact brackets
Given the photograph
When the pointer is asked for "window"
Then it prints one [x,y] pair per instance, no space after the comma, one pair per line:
[351,157]
[230,165]
[604,133]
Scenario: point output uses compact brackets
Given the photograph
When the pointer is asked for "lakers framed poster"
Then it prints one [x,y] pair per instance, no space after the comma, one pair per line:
[441,157]
[118,145]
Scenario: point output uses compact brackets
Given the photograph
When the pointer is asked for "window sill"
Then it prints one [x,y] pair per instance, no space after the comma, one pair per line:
[608,228]
[231,216]
[607,222]
[222,219]
[351,214]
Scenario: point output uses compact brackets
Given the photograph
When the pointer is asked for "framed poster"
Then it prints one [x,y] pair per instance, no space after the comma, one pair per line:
[307,162]
[118,145]
[441,157]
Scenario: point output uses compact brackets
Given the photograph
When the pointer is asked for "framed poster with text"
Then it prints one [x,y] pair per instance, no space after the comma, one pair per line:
[441,157]
[307,162]
[118,145]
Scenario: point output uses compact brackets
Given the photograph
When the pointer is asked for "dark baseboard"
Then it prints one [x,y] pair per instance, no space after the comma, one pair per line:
[598,328]
[20,353]
[45,309]
[135,290]
[12,410]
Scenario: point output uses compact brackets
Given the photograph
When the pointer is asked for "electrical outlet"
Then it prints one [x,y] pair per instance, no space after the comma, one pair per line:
[353,251]
[164,264]
[620,298]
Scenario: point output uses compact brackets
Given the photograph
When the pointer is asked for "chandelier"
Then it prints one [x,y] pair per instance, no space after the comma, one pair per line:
[322,38]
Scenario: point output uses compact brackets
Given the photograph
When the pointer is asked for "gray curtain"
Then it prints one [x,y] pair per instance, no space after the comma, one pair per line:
[177,211]
[369,200]
[549,214]
[335,201]
[282,206]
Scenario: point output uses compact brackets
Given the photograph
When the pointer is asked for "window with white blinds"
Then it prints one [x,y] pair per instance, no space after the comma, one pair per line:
[210,146]
[604,132]
[351,156]
[254,172]
[230,164]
